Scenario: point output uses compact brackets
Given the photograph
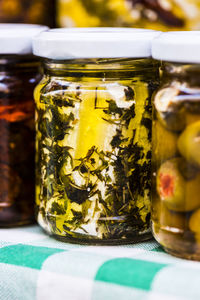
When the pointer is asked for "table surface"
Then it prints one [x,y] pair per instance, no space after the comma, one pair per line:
[34,266]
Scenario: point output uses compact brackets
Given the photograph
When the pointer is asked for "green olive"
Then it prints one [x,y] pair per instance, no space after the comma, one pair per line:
[164,143]
[169,110]
[194,222]
[191,118]
[178,194]
[189,143]
[170,218]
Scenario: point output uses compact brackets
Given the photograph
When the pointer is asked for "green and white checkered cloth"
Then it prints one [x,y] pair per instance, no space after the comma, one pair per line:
[33,266]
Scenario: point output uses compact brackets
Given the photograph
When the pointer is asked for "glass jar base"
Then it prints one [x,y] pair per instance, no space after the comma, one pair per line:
[177,242]
[184,255]
[17,224]
[103,242]
[113,235]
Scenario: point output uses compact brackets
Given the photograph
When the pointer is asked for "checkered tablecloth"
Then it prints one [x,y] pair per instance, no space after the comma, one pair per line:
[33,266]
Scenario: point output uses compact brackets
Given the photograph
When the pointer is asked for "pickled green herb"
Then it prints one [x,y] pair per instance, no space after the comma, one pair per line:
[93,159]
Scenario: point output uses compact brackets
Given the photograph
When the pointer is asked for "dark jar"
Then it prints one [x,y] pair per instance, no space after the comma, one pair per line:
[19,74]
[176,146]
[93,145]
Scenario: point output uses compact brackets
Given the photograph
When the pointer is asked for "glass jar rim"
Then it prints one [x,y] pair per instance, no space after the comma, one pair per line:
[73,43]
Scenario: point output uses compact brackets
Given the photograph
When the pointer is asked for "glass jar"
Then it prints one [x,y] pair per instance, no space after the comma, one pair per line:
[93,118]
[31,11]
[19,74]
[154,14]
[176,145]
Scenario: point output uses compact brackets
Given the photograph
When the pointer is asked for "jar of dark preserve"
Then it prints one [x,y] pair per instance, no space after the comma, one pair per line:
[19,74]
[176,145]
[93,145]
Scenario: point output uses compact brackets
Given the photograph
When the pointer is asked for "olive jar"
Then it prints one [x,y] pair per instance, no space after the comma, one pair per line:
[19,74]
[176,145]
[93,145]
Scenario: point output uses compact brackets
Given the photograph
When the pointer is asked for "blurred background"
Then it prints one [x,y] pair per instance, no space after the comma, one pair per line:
[153,14]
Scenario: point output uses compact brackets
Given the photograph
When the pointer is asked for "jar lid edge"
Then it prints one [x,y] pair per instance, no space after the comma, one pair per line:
[17,38]
[177,46]
[109,42]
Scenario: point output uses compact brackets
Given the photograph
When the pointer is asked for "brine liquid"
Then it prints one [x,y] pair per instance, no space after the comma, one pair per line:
[93,160]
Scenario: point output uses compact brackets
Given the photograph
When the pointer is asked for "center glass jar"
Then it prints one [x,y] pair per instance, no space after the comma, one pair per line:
[93,122]
[176,145]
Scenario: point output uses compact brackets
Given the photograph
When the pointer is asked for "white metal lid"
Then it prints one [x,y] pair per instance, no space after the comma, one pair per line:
[177,46]
[107,42]
[17,38]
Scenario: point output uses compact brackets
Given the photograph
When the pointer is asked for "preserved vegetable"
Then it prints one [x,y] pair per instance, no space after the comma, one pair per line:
[176,164]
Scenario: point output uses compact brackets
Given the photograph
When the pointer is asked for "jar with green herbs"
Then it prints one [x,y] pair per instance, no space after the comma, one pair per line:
[176,145]
[19,74]
[93,121]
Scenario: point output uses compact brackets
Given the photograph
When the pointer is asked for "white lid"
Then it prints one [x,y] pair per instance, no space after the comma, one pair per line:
[177,46]
[70,43]
[17,38]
